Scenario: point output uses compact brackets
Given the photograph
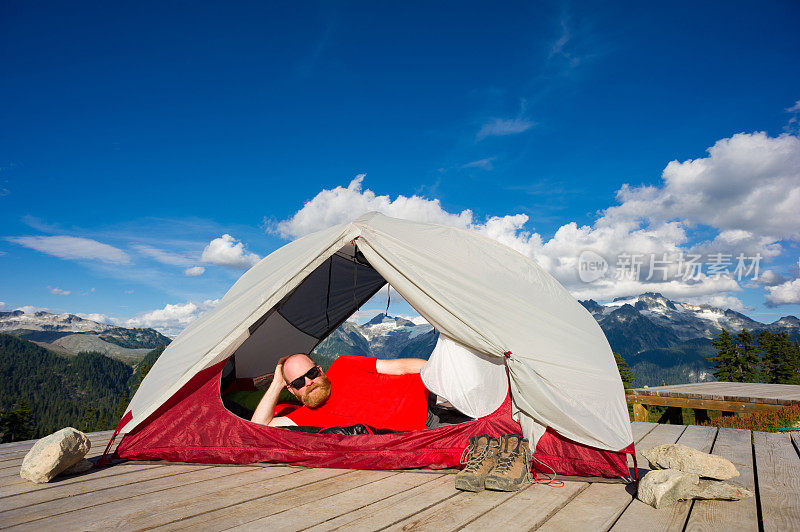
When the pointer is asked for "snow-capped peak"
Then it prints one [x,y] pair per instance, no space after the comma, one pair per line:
[45,321]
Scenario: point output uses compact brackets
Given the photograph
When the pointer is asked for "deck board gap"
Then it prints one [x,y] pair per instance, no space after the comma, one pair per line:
[756,485]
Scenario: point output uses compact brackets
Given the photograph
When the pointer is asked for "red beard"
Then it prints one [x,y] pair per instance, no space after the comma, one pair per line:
[317,393]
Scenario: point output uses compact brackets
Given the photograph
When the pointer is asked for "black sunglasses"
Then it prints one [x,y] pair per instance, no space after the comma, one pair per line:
[299,382]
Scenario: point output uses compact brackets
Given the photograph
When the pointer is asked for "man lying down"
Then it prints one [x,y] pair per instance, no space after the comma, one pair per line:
[384,394]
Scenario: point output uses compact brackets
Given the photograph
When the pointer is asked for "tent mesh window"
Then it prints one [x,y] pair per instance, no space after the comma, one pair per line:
[297,324]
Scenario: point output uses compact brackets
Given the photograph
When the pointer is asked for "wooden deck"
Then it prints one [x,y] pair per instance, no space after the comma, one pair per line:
[738,397]
[135,496]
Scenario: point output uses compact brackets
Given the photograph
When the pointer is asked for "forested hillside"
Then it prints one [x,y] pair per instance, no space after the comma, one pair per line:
[41,391]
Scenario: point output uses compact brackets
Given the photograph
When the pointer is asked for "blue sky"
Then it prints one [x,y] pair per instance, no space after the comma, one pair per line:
[134,138]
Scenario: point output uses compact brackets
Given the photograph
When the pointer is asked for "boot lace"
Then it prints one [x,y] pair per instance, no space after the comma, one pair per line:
[506,460]
[475,460]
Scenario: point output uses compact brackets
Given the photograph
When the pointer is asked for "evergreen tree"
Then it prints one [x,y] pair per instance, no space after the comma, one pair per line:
[780,360]
[786,360]
[17,424]
[89,420]
[767,348]
[749,361]
[121,406]
[625,372]
[726,362]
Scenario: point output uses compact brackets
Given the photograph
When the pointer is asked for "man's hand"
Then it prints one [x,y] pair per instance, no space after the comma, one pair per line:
[266,407]
[277,379]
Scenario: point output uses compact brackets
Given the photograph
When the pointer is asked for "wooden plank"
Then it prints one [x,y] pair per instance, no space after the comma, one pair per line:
[640,429]
[729,391]
[598,506]
[93,484]
[317,511]
[392,509]
[85,507]
[595,508]
[528,509]
[257,505]
[454,512]
[23,486]
[708,404]
[778,480]
[640,412]
[288,482]
[735,445]
[641,516]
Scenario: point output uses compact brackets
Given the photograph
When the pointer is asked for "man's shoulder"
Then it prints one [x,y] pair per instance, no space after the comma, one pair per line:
[354,362]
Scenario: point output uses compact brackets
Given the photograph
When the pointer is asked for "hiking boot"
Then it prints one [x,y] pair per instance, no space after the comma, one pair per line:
[480,456]
[513,465]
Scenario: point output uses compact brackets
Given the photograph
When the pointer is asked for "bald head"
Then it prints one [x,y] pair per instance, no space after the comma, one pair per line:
[313,392]
[295,366]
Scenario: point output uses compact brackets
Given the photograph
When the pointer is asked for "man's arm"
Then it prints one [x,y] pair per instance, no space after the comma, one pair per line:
[265,410]
[400,366]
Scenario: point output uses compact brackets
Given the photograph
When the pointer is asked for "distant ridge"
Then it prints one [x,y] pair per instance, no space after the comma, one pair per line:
[668,342]
[71,334]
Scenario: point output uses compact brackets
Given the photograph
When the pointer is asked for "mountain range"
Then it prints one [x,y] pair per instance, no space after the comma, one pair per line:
[663,341]
[383,336]
[667,342]
[71,334]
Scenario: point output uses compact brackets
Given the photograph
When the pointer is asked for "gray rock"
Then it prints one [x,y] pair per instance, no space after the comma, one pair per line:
[664,487]
[53,454]
[688,460]
[715,489]
[81,466]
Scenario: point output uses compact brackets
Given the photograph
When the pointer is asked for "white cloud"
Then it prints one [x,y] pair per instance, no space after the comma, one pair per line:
[721,301]
[504,126]
[59,292]
[559,255]
[787,293]
[194,271]
[748,183]
[2,305]
[162,256]
[32,309]
[171,319]
[99,318]
[331,207]
[770,278]
[228,251]
[73,248]
[794,120]
[744,178]
[483,164]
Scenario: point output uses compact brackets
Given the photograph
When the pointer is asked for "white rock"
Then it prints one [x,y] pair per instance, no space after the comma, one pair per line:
[53,454]
[715,489]
[688,460]
[663,487]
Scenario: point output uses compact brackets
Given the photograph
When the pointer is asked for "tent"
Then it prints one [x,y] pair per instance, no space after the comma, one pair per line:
[518,353]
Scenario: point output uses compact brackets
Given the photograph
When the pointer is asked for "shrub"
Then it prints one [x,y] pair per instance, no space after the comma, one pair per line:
[785,417]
